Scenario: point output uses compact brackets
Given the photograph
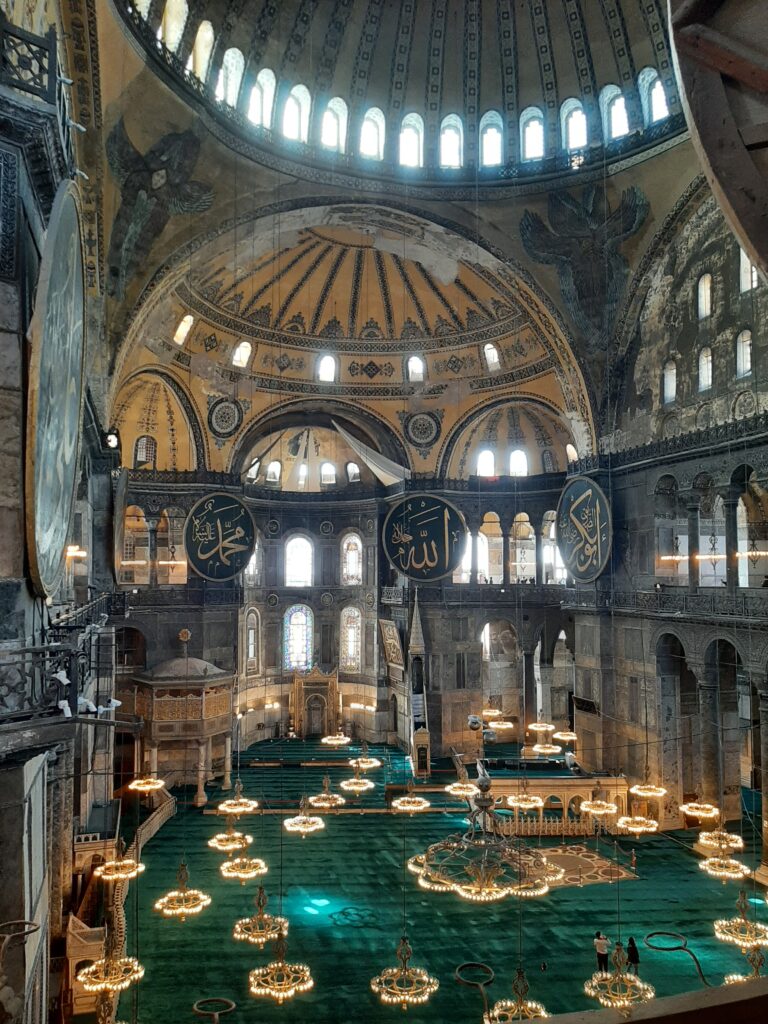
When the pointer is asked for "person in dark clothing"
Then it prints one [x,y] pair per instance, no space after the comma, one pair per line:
[633,957]
[601,943]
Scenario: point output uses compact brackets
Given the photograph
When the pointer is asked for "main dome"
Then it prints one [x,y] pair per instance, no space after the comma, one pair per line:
[352,75]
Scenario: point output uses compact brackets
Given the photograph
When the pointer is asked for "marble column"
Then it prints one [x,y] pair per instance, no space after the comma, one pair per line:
[761,875]
[709,740]
[530,710]
[200,796]
[153,759]
[546,672]
[473,564]
[694,542]
[227,781]
[152,550]
[731,506]
[539,541]
[505,548]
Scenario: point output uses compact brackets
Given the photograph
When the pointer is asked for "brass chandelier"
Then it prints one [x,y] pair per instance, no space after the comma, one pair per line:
[182,902]
[410,803]
[724,867]
[543,746]
[357,784]
[327,800]
[519,1008]
[121,869]
[261,927]
[700,809]
[244,869]
[113,973]
[462,787]
[231,840]
[484,865]
[280,980]
[404,985]
[304,823]
[740,931]
[146,784]
[238,804]
[617,989]
[337,739]
[364,761]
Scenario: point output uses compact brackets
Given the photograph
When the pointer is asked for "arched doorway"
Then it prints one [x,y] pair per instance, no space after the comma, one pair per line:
[316,716]
[676,761]
[502,667]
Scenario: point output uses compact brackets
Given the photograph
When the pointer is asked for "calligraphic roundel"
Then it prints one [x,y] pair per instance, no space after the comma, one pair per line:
[424,537]
[219,537]
[584,529]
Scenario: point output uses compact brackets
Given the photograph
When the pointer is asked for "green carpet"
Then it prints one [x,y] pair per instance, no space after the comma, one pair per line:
[342,892]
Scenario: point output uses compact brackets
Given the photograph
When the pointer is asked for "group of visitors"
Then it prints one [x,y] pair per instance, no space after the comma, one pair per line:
[602,943]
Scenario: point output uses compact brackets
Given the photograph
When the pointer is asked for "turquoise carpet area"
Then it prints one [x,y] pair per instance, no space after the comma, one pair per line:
[342,891]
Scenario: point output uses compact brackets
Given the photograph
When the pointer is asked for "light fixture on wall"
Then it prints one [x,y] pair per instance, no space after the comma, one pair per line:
[261,927]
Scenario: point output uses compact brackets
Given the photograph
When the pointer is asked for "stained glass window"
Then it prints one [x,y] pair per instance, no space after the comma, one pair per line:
[352,560]
[351,632]
[297,637]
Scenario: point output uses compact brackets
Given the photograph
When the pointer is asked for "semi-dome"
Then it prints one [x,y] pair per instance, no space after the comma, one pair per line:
[185,669]
[426,91]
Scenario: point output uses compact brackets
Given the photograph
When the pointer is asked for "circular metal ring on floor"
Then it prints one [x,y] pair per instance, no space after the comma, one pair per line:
[681,947]
[213,1007]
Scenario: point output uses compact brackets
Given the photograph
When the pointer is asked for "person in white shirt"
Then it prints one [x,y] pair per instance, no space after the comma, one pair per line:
[601,943]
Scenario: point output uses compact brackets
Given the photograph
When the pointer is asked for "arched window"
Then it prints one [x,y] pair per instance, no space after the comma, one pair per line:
[172,26]
[659,105]
[705,369]
[451,141]
[744,354]
[613,111]
[350,659]
[486,463]
[518,463]
[372,134]
[747,273]
[274,469]
[351,560]
[532,134]
[326,369]
[252,641]
[252,568]
[200,57]
[333,131]
[553,565]
[301,476]
[296,114]
[704,296]
[669,383]
[298,562]
[242,354]
[652,96]
[145,453]
[170,555]
[185,326]
[571,454]
[262,98]
[230,76]
[253,470]
[298,626]
[491,354]
[327,474]
[353,472]
[574,125]
[415,369]
[491,139]
[412,141]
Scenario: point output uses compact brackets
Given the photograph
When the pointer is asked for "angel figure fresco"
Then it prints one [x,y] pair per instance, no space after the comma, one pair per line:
[154,186]
[582,241]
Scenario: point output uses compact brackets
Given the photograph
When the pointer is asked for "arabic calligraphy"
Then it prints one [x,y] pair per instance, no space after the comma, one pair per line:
[584,529]
[219,536]
[424,537]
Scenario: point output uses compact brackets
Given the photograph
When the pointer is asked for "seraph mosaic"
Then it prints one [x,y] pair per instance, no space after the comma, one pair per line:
[154,187]
[582,241]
